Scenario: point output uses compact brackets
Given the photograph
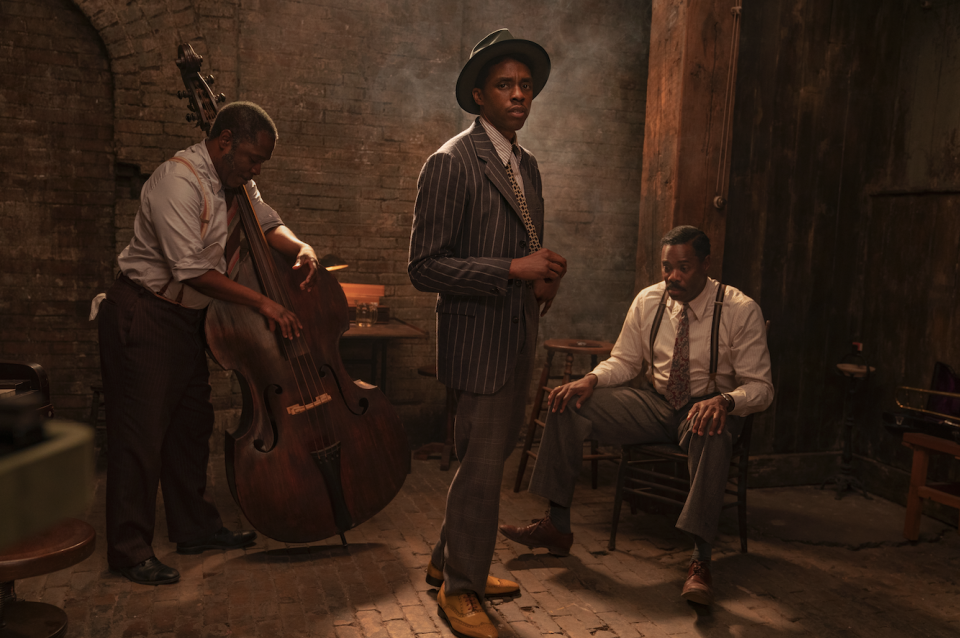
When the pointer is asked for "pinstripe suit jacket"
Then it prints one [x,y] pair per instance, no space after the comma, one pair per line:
[466,231]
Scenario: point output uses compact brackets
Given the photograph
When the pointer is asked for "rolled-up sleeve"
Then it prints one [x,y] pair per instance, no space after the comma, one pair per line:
[751,362]
[267,216]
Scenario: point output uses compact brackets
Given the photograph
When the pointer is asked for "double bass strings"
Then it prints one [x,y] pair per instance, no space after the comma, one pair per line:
[310,384]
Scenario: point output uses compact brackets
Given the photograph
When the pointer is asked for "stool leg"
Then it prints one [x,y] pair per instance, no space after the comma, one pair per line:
[532,423]
[918,478]
[567,369]
[594,464]
[95,409]
[7,596]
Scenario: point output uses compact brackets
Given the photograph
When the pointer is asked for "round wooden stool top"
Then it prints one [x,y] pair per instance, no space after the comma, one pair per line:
[428,371]
[578,346]
[65,544]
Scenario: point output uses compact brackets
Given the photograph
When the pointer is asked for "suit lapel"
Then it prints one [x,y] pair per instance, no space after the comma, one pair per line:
[493,169]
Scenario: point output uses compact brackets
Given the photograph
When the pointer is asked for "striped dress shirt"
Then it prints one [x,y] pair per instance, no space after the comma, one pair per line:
[743,367]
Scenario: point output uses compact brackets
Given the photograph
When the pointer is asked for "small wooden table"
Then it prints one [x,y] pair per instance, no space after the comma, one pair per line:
[946,493]
[379,335]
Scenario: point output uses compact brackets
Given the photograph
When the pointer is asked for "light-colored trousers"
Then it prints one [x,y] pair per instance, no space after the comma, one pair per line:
[624,415]
[485,433]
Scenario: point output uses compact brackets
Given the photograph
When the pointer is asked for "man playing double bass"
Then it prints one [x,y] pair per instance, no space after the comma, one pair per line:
[152,355]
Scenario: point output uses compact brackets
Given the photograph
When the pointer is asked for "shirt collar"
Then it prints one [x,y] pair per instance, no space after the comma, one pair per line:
[199,156]
[501,145]
[697,308]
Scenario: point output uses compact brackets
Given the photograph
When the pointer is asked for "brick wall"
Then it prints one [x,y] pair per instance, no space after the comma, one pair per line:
[362,93]
[57,192]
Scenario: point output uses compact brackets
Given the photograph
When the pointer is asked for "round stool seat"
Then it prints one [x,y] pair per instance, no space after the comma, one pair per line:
[66,543]
[428,371]
[578,346]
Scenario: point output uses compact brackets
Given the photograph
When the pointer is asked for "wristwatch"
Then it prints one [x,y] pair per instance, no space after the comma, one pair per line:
[731,404]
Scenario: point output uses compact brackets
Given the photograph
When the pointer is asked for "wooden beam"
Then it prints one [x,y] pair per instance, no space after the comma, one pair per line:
[690,50]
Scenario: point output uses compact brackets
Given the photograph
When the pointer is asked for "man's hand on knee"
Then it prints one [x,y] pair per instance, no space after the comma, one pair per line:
[708,417]
[583,388]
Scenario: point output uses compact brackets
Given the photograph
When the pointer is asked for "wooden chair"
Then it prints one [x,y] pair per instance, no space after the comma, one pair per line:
[570,348]
[945,493]
[641,479]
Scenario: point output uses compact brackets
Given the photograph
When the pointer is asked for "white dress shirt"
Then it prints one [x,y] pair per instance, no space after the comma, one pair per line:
[504,149]
[167,241]
[743,366]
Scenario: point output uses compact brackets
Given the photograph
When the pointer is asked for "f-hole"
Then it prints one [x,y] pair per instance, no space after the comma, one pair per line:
[273,388]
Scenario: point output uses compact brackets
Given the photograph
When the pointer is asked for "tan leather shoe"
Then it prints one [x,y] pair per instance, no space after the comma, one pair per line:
[465,615]
[495,586]
[540,533]
[698,587]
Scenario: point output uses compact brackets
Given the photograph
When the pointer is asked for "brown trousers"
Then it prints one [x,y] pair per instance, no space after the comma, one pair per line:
[159,420]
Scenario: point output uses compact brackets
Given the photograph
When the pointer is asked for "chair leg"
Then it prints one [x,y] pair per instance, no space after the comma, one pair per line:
[742,509]
[918,478]
[532,423]
[618,499]
[594,464]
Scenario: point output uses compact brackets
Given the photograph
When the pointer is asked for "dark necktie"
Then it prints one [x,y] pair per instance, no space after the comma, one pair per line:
[232,250]
[678,386]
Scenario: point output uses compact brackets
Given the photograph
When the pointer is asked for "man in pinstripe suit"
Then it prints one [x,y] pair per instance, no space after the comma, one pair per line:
[475,241]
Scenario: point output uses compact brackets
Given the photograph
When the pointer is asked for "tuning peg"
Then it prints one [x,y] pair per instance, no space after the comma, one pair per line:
[221,98]
[182,95]
[191,117]
[209,79]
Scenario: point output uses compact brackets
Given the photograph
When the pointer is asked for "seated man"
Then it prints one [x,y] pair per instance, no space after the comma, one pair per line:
[684,406]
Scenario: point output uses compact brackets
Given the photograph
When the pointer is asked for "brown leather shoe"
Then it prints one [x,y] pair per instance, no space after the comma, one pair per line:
[495,586]
[698,586]
[465,615]
[540,533]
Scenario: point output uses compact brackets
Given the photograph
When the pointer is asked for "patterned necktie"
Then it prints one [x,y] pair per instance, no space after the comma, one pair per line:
[232,249]
[678,386]
[532,238]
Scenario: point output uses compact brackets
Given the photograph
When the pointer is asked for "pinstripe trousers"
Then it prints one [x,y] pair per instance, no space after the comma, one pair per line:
[486,431]
[159,421]
[627,415]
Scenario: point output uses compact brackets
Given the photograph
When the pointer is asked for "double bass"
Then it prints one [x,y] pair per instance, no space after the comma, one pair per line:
[315,453]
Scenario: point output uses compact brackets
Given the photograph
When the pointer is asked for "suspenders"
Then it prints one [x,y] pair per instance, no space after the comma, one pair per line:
[714,334]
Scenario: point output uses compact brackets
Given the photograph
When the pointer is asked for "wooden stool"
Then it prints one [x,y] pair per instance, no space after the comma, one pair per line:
[444,449]
[946,493]
[65,544]
[569,347]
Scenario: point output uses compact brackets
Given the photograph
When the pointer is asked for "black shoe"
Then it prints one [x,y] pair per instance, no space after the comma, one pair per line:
[224,539]
[151,572]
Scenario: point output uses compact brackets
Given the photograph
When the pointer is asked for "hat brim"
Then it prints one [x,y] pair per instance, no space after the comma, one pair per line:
[533,53]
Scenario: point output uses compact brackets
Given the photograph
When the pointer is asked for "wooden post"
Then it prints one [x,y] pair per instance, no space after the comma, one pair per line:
[690,50]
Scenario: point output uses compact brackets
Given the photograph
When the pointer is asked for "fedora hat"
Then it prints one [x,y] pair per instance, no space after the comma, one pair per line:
[499,43]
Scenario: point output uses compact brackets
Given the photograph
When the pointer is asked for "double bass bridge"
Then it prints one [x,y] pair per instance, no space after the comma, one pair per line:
[300,408]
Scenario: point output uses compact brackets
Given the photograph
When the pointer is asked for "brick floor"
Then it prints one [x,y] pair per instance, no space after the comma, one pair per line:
[375,588]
